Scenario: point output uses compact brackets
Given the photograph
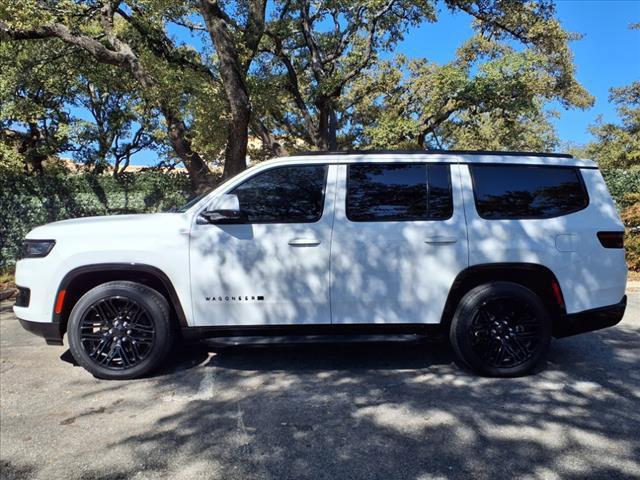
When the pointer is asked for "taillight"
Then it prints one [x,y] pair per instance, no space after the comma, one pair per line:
[611,239]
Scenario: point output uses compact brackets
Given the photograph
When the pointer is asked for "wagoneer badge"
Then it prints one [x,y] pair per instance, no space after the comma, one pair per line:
[241,298]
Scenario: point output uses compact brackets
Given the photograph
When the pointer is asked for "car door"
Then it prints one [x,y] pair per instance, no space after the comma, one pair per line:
[272,268]
[399,241]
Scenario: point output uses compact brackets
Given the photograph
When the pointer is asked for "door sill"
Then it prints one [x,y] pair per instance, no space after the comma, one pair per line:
[195,333]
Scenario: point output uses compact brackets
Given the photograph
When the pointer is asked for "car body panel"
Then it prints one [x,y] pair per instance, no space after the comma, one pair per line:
[159,240]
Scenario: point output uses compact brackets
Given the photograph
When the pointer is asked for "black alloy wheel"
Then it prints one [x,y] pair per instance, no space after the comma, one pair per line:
[117,332]
[505,332]
[120,330]
[501,329]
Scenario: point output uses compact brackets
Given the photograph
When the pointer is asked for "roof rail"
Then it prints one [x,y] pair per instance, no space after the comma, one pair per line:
[437,152]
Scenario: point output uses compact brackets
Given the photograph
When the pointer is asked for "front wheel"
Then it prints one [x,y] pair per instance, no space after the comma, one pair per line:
[120,330]
[501,329]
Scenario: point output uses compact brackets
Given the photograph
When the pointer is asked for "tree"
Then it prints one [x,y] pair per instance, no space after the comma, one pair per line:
[315,64]
[492,95]
[34,122]
[236,44]
[121,126]
[43,82]
[303,74]
[618,145]
[112,36]
[337,82]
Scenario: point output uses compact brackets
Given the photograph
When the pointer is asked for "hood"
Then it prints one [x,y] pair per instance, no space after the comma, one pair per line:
[116,225]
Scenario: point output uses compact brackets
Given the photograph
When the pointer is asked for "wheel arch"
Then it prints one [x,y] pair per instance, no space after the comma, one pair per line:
[80,280]
[537,278]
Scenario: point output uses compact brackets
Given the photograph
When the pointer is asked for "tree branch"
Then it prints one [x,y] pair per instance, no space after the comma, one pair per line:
[162,46]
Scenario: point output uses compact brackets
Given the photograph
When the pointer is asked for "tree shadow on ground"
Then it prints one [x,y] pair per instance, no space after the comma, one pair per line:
[394,410]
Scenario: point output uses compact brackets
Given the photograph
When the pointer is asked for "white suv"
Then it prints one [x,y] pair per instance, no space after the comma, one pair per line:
[500,250]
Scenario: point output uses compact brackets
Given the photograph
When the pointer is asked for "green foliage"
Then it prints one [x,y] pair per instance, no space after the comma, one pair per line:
[27,201]
[631,218]
[33,90]
[632,251]
[624,185]
[618,145]
[491,96]
[313,66]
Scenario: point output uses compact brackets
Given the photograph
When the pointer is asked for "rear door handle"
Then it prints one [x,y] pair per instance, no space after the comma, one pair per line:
[304,242]
[441,240]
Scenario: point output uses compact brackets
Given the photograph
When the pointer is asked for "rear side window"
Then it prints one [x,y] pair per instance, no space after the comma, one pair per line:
[524,191]
[284,195]
[378,192]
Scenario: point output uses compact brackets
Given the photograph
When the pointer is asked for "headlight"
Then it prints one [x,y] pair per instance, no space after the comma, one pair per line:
[36,248]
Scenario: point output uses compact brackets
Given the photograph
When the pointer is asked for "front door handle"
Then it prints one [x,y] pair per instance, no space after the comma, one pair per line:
[304,242]
[441,240]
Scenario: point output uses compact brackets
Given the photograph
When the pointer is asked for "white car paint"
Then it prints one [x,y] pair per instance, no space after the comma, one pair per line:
[356,273]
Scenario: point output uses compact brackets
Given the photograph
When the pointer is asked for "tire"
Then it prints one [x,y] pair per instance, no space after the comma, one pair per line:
[120,330]
[501,329]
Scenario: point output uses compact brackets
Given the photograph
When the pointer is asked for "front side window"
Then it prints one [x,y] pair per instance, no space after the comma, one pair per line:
[292,194]
[378,192]
[525,191]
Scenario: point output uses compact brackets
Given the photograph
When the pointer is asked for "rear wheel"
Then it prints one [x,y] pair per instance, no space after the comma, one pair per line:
[501,329]
[120,330]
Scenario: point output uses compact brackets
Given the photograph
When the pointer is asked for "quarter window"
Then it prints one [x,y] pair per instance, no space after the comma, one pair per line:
[284,195]
[398,192]
[524,191]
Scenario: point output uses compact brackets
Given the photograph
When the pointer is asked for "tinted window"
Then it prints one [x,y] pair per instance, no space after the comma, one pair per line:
[284,195]
[398,192]
[527,191]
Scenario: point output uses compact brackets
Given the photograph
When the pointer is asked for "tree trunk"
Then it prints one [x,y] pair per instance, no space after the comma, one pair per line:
[267,138]
[233,81]
[198,170]
[333,130]
[235,152]
[323,123]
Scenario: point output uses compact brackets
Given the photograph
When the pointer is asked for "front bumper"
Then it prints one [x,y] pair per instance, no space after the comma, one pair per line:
[590,320]
[50,331]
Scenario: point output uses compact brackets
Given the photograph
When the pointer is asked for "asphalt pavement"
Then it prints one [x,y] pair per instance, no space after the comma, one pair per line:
[338,409]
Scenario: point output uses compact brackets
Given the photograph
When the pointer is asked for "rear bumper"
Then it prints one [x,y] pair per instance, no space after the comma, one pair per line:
[590,320]
[50,331]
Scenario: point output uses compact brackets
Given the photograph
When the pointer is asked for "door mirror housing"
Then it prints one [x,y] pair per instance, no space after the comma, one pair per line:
[224,210]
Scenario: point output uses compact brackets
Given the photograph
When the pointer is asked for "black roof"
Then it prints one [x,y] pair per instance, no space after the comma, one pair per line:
[438,152]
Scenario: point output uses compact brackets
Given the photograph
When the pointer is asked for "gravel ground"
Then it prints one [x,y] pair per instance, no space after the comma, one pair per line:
[334,410]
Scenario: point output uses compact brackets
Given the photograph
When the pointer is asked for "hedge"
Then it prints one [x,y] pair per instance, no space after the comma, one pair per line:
[624,185]
[27,201]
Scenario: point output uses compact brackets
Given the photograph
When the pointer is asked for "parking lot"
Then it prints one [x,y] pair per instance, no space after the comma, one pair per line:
[334,409]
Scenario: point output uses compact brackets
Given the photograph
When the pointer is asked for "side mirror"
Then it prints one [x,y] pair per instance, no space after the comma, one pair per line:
[226,209]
